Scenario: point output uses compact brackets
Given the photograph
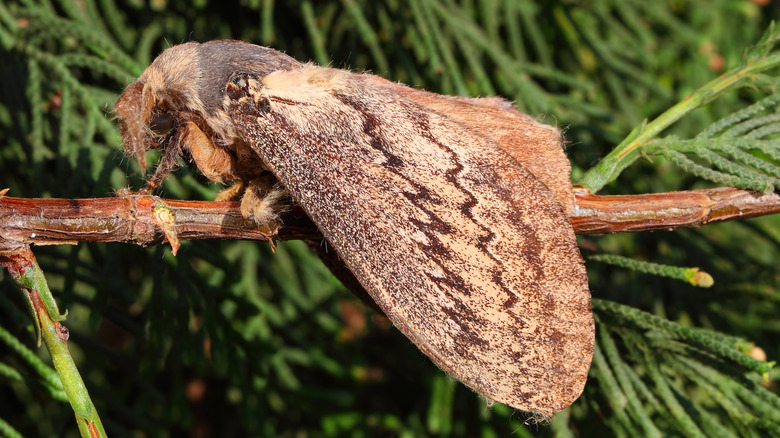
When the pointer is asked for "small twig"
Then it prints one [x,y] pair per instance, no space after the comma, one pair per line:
[758,59]
[136,219]
[24,269]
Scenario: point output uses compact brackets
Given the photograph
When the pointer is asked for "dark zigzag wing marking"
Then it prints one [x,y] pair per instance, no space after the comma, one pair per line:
[461,315]
[462,248]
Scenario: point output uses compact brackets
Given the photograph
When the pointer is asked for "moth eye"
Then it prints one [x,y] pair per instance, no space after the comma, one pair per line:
[161,123]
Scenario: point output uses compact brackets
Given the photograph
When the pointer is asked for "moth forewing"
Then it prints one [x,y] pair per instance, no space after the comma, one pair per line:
[462,247]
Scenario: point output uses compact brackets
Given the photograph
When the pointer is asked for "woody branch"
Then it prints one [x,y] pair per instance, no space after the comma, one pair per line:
[136,219]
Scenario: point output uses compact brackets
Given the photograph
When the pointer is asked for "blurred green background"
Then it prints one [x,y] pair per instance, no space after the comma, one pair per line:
[228,339]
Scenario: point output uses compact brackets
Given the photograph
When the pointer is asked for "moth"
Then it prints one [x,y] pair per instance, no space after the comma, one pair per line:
[451,213]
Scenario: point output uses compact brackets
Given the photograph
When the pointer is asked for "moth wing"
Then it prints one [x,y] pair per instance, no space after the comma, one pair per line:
[466,252]
[536,146]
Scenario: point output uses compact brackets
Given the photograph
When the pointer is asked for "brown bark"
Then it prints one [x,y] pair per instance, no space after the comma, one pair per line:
[667,211]
[132,219]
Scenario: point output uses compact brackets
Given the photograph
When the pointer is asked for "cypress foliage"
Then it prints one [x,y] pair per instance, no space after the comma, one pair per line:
[230,339]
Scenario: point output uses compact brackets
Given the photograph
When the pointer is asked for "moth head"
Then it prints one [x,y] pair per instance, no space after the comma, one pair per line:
[151,109]
[177,105]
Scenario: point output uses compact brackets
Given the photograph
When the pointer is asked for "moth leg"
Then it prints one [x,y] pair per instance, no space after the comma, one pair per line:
[264,199]
[167,164]
[232,193]
[213,161]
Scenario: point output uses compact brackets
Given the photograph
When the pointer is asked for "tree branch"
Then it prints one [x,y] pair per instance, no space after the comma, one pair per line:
[595,214]
[134,218]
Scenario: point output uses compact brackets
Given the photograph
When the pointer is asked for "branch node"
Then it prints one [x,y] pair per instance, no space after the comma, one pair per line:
[166,220]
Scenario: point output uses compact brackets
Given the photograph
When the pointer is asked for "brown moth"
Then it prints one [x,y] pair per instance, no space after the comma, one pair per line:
[451,213]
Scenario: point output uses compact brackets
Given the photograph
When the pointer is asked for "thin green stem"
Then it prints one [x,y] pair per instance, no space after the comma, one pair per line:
[29,277]
[608,169]
[7,431]
[45,372]
[318,41]
[691,275]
